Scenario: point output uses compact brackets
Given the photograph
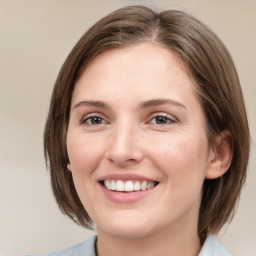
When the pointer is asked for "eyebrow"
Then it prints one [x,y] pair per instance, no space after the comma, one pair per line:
[162,101]
[143,105]
[94,103]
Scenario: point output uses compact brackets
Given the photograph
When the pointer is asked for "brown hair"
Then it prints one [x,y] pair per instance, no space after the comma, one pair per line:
[217,86]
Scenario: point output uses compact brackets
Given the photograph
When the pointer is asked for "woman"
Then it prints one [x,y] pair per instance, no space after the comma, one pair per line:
[147,135]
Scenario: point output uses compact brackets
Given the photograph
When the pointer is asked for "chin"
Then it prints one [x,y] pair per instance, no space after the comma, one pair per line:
[125,228]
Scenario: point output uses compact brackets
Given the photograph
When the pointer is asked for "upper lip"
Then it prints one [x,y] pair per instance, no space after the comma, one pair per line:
[125,177]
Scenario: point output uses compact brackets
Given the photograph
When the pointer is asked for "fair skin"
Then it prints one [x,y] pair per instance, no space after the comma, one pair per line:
[135,118]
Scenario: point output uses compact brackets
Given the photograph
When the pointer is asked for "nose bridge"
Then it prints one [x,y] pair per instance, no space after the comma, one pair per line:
[124,145]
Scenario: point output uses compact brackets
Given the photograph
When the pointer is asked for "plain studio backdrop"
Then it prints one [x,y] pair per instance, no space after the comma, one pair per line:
[35,38]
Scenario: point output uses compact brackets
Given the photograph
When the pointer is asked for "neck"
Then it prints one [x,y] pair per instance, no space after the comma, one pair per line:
[174,243]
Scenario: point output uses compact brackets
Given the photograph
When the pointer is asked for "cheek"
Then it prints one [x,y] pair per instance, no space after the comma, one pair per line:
[84,160]
[182,159]
[84,154]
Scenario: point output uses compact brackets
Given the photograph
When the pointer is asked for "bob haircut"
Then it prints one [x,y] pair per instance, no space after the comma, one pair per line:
[216,84]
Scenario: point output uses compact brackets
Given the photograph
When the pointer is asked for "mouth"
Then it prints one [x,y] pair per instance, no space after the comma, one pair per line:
[128,185]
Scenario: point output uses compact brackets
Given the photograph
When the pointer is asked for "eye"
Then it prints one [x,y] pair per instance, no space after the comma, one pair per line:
[93,120]
[161,119]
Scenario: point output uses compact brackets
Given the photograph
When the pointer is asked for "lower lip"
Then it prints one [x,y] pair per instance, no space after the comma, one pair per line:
[126,197]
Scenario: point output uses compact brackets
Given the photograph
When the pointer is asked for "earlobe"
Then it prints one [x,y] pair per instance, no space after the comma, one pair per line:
[221,155]
[69,167]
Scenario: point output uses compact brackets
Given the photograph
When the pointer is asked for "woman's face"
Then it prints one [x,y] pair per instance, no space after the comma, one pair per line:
[137,125]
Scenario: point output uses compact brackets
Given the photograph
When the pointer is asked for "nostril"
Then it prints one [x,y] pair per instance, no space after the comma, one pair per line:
[123,147]
[124,158]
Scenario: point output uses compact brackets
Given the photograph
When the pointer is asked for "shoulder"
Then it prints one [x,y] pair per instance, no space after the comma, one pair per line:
[86,248]
[212,247]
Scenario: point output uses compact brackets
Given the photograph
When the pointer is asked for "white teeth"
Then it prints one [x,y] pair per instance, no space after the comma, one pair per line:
[119,185]
[128,186]
[107,184]
[143,185]
[136,186]
[113,185]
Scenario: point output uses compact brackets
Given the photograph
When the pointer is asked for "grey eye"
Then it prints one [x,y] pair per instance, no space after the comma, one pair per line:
[161,120]
[94,120]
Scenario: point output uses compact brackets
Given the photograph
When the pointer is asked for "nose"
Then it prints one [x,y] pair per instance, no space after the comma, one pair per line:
[124,146]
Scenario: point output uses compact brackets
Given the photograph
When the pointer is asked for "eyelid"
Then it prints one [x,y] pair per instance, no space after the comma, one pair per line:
[93,114]
[156,114]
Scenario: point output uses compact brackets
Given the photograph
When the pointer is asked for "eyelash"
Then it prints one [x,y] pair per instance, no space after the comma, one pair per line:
[165,117]
[85,120]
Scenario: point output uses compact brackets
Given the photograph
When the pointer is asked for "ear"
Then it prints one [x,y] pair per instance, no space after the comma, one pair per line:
[220,156]
[69,167]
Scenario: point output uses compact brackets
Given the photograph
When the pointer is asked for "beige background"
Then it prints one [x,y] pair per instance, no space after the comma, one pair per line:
[35,38]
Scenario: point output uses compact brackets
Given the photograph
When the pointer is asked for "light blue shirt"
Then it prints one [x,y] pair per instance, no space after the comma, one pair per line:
[211,247]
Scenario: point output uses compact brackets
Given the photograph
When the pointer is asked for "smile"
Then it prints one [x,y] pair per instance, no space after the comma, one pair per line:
[128,186]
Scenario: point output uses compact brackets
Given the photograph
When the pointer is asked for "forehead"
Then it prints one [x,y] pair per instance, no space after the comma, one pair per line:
[144,64]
